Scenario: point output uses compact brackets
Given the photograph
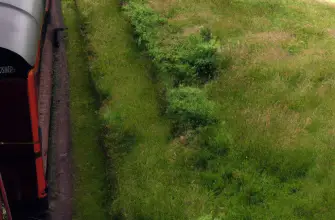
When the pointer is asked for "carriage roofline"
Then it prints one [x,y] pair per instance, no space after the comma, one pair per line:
[20,25]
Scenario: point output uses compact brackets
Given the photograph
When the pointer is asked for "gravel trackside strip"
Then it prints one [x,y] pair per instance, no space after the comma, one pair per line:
[61,204]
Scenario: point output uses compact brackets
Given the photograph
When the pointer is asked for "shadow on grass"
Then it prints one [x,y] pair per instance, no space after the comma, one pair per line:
[99,99]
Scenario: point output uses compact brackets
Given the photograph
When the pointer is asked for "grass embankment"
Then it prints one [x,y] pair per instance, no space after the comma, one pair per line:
[90,171]
[268,76]
[136,136]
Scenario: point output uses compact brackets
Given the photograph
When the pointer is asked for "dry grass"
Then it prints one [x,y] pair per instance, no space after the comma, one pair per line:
[271,54]
[162,6]
[332,32]
[191,30]
[270,37]
[331,2]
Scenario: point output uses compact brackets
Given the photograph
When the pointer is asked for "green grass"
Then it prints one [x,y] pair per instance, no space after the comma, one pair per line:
[90,172]
[276,99]
[148,186]
[270,158]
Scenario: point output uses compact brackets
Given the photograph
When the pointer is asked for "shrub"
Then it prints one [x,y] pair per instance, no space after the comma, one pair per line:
[195,58]
[187,60]
[189,108]
[206,34]
[145,21]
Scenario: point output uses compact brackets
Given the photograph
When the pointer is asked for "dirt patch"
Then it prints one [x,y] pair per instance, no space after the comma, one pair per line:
[261,21]
[192,30]
[272,54]
[312,51]
[270,37]
[331,3]
[331,32]
[162,5]
[322,90]
[326,1]
[205,15]
[181,17]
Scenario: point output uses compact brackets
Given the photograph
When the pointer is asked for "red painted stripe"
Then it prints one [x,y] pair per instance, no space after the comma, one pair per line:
[33,105]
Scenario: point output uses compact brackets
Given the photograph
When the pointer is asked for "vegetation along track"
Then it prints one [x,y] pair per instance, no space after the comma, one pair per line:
[89,168]
[269,157]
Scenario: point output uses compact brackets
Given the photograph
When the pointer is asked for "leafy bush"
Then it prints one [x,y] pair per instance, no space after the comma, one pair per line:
[189,108]
[144,21]
[188,60]
[196,58]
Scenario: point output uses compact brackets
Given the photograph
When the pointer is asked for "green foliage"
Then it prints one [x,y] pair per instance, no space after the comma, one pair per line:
[189,108]
[145,22]
[188,61]
[195,58]
[206,34]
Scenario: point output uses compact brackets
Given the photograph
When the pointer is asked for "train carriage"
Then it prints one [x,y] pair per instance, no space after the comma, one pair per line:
[22,32]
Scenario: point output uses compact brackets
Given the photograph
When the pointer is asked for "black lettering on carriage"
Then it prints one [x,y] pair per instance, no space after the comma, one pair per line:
[7,69]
